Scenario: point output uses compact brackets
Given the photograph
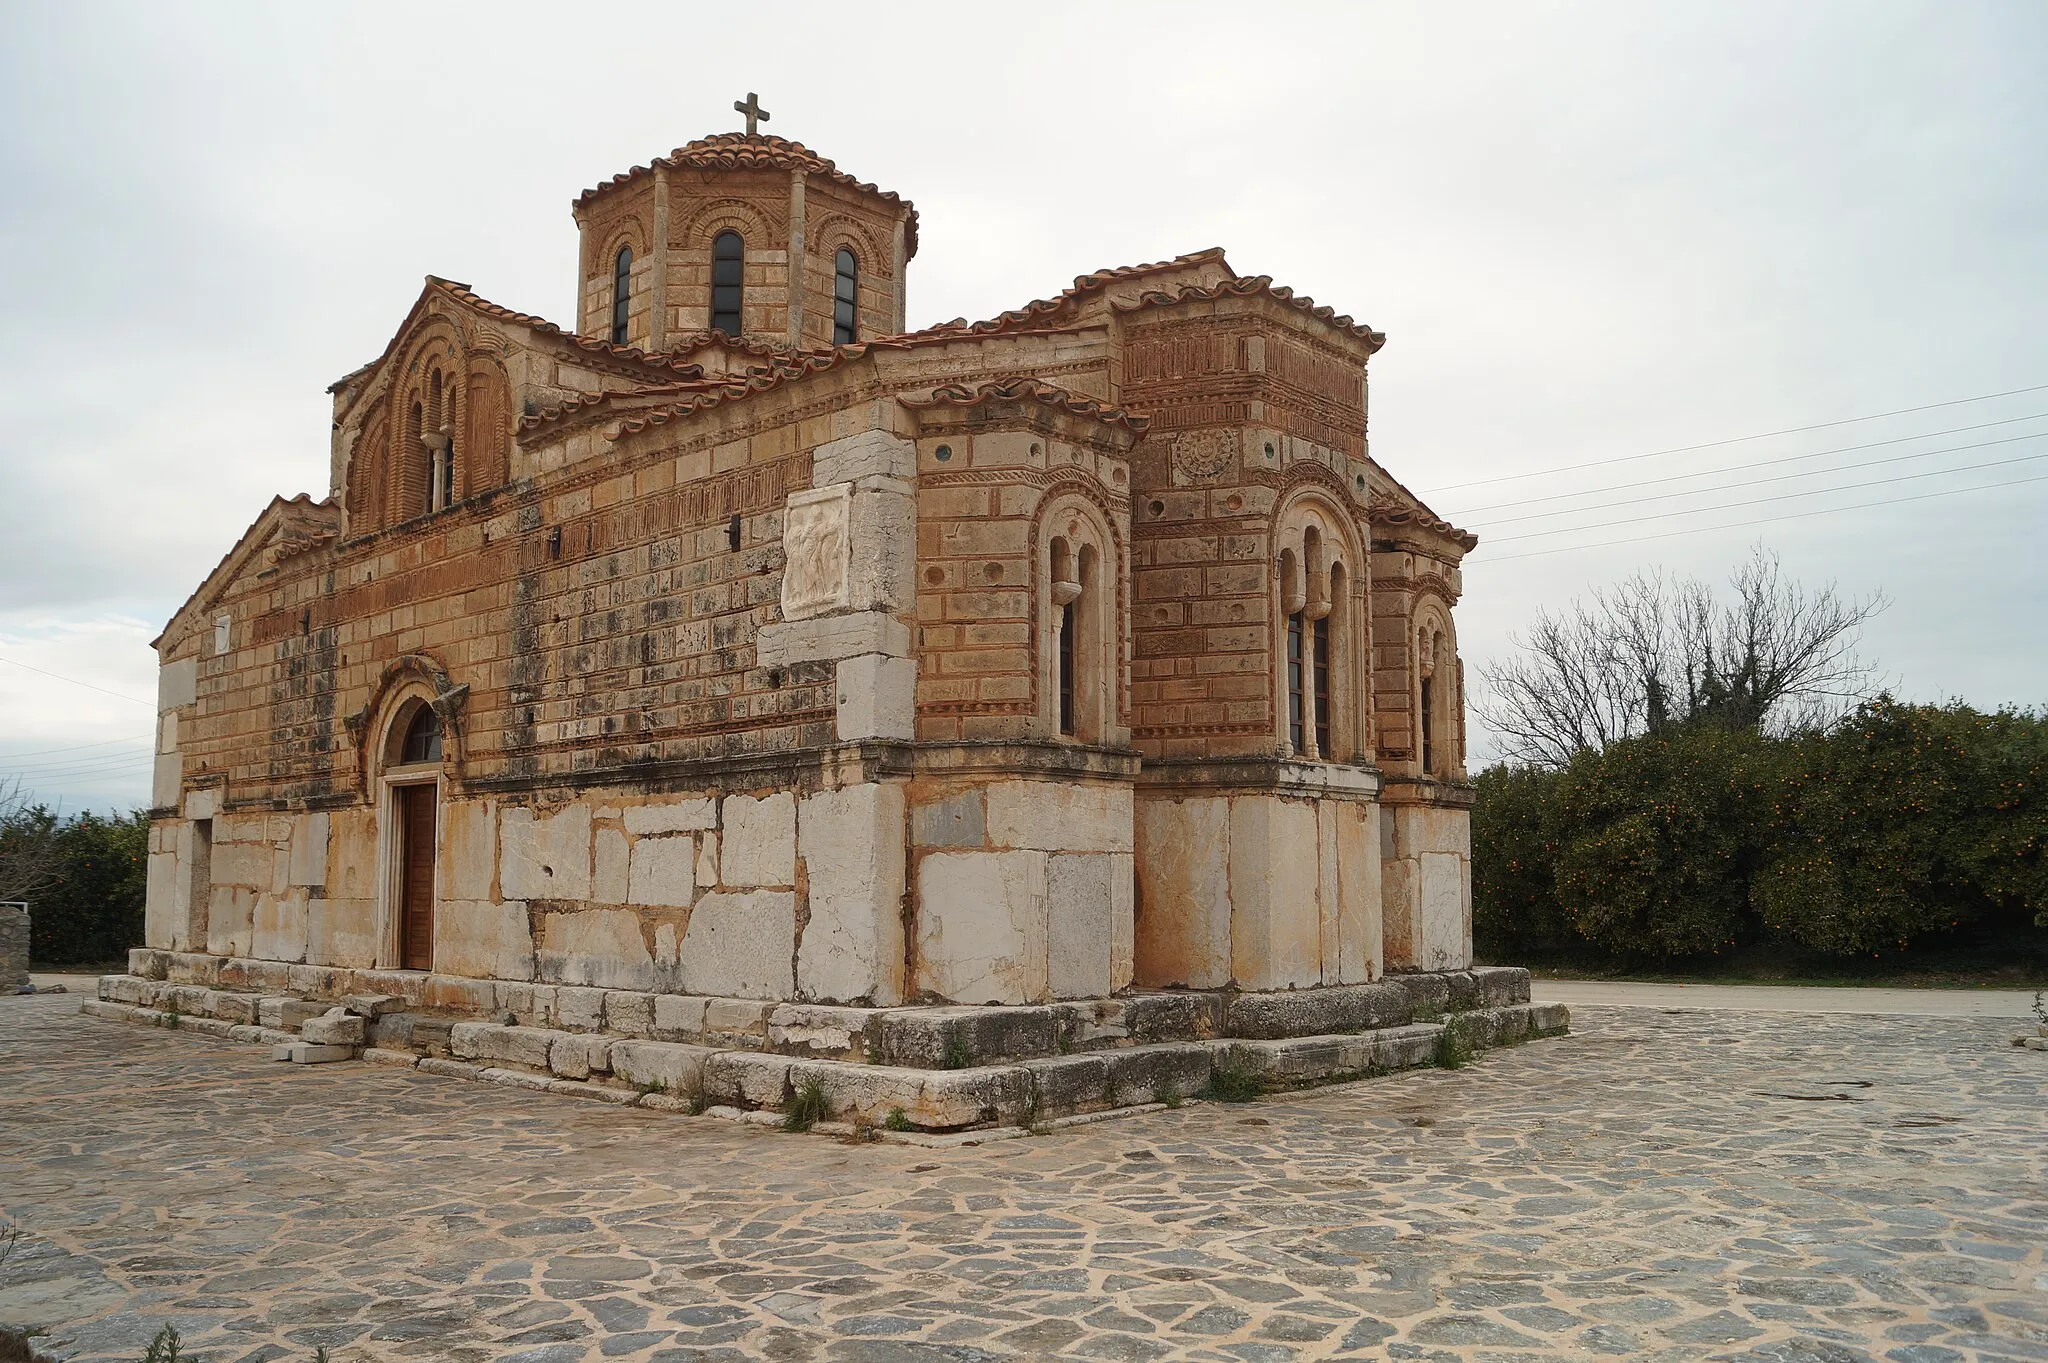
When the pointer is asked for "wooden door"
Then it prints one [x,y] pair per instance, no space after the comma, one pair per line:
[416,877]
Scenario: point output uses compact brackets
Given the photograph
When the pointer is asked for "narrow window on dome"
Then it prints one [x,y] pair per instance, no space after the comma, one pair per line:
[728,269]
[1322,686]
[845,298]
[622,292]
[1297,735]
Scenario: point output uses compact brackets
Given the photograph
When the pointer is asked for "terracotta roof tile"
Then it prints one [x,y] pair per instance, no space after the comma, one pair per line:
[1035,313]
[750,151]
[1245,288]
[1029,390]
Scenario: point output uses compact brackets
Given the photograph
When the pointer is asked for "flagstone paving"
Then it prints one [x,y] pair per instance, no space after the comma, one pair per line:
[1763,1187]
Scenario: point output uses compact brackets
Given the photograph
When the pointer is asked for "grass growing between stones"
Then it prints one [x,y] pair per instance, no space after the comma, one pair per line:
[958,1055]
[807,1107]
[1453,1052]
[897,1121]
[1234,1085]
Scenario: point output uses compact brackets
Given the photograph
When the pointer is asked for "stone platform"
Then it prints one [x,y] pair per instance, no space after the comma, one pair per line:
[907,1070]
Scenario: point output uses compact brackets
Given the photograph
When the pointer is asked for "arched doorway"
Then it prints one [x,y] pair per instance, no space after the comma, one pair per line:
[414,777]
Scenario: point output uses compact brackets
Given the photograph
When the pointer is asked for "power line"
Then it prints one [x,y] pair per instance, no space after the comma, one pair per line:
[1735,440]
[76,682]
[45,752]
[1749,464]
[85,765]
[1771,520]
[1779,478]
[1759,501]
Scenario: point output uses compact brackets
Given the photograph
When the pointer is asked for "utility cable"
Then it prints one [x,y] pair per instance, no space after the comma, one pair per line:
[1746,464]
[1770,520]
[1735,440]
[1759,501]
[1776,478]
[76,682]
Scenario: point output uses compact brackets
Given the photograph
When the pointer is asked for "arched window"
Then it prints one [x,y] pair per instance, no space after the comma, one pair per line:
[728,271]
[1428,715]
[1077,631]
[845,298]
[422,738]
[1317,646]
[622,292]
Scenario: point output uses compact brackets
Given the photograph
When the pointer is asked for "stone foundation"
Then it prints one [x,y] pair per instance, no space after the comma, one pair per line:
[912,1069]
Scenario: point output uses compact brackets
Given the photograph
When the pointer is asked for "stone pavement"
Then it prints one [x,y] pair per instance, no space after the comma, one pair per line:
[1668,1186]
[1790,998]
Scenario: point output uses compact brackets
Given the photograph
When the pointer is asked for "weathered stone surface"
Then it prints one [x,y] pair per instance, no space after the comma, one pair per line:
[816,543]
[831,638]
[286,1014]
[1184,873]
[629,1013]
[577,1057]
[665,1066]
[1500,985]
[545,856]
[741,944]
[742,1022]
[372,1005]
[956,1038]
[671,816]
[482,939]
[1067,1084]
[746,1079]
[601,948]
[1318,1012]
[664,871]
[758,847]
[579,1010]
[310,1053]
[863,455]
[876,698]
[677,1017]
[981,926]
[820,1032]
[1088,909]
[1060,816]
[335,1028]
[851,841]
[1156,1074]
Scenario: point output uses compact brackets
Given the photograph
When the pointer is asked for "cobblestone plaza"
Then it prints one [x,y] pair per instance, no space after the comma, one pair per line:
[1667,1185]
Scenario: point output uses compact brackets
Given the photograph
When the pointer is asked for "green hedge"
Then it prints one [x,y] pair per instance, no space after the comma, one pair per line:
[1900,823]
[92,912]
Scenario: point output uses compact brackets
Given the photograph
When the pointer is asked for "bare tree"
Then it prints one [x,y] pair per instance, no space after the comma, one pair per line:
[1659,651]
[28,843]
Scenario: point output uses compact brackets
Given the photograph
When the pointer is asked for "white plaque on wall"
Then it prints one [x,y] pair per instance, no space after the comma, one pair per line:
[815,546]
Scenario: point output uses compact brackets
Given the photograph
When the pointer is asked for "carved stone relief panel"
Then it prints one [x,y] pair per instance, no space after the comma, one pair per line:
[815,548]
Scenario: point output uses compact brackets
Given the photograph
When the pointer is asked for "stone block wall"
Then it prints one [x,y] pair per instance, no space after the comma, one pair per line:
[1426,860]
[1257,889]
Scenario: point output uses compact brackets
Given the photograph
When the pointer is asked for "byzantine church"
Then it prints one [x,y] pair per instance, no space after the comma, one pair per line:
[740,642]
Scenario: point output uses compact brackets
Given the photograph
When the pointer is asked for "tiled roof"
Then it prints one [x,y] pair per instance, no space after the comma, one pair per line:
[752,151]
[1245,288]
[661,363]
[1029,390]
[1415,513]
[1036,313]
[315,523]
[712,391]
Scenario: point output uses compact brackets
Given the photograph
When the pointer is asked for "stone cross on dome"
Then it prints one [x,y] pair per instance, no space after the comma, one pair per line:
[751,107]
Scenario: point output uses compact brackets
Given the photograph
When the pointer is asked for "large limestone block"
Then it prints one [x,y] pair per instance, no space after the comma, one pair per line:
[483,940]
[608,883]
[1059,816]
[663,872]
[817,537]
[231,920]
[177,683]
[851,841]
[279,927]
[877,698]
[167,777]
[759,847]
[744,1079]
[469,849]
[604,948]
[831,638]
[545,857]
[884,542]
[1359,955]
[1445,916]
[342,932]
[1275,925]
[1086,895]
[1183,938]
[676,816]
[741,945]
[661,1066]
[159,913]
[865,455]
[352,855]
[309,850]
[981,926]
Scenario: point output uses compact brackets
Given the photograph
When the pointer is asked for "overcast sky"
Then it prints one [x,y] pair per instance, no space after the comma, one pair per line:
[1590,232]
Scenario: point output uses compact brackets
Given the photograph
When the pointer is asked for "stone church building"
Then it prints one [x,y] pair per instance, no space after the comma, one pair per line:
[740,642]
